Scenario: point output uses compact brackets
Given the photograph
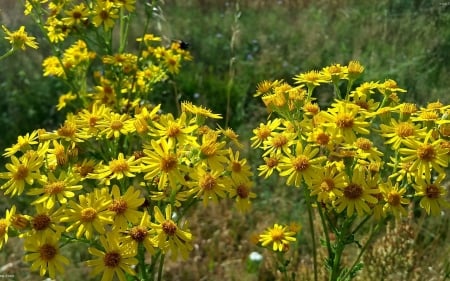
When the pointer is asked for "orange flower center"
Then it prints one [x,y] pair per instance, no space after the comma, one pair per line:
[3,227]
[271,162]
[279,141]
[236,167]
[116,125]
[207,182]
[21,173]
[112,259]
[138,233]
[404,130]
[47,252]
[277,234]
[119,206]
[322,138]
[353,191]
[118,165]
[433,192]
[242,191]
[364,144]
[169,228]
[426,152]
[41,222]
[344,120]
[300,163]
[54,187]
[327,185]
[168,163]
[263,133]
[68,130]
[394,199]
[88,215]
[173,130]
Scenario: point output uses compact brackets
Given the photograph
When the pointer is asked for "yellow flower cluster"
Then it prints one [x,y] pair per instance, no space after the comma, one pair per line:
[119,173]
[365,153]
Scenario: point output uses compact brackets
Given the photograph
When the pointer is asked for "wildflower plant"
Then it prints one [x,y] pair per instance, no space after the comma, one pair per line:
[364,158]
[119,174]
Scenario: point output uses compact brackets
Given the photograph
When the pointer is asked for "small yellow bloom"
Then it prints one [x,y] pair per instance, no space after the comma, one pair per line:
[19,39]
[279,236]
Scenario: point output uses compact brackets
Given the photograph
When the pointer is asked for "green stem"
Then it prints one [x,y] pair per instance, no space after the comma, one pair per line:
[160,269]
[7,54]
[325,230]
[311,225]
[141,265]
[364,248]
[342,240]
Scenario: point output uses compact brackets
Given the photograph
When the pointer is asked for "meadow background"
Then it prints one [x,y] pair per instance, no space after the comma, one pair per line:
[235,46]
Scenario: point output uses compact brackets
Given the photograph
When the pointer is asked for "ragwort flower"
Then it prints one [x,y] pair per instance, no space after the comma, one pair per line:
[279,236]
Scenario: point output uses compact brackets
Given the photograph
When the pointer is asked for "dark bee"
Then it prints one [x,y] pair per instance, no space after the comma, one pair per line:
[183,45]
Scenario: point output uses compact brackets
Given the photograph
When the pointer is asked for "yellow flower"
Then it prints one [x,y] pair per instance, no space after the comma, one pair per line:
[393,196]
[356,195]
[5,223]
[271,164]
[311,78]
[104,14]
[45,222]
[425,156]
[141,234]
[212,152]
[161,161]
[125,206]
[92,213]
[328,184]
[114,260]
[115,124]
[117,169]
[55,189]
[78,14]
[208,184]
[263,131]
[52,67]
[23,143]
[241,189]
[23,170]
[199,111]
[343,121]
[398,132]
[432,193]
[174,130]
[279,236]
[303,165]
[19,39]
[239,169]
[44,255]
[63,99]
[170,236]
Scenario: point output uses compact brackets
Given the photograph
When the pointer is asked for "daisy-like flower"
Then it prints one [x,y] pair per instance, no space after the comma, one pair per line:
[23,143]
[212,152]
[239,169]
[78,14]
[125,207]
[355,69]
[279,236]
[55,189]
[366,150]
[398,132]
[91,213]
[113,125]
[52,67]
[114,260]
[170,236]
[432,193]
[265,87]
[264,131]
[161,161]
[105,13]
[303,165]
[335,72]
[328,184]
[5,223]
[209,185]
[393,195]
[117,169]
[278,143]
[343,121]
[356,195]
[141,234]
[87,119]
[45,221]
[174,130]
[425,156]
[271,164]
[19,39]
[44,255]
[311,78]
[199,111]
[241,190]
[21,171]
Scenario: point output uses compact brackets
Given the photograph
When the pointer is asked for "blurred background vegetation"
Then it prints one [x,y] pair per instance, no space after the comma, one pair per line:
[235,45]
